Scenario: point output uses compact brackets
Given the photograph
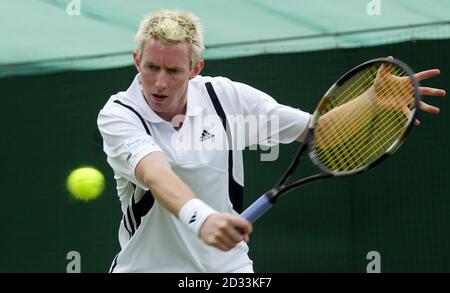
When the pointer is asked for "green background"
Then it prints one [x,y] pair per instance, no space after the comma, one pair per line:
[399,209]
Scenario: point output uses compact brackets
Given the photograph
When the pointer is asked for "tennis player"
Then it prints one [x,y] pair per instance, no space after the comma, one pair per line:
[177,158]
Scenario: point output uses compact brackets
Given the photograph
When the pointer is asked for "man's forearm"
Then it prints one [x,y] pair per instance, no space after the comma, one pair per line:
[350,117]
[167,188]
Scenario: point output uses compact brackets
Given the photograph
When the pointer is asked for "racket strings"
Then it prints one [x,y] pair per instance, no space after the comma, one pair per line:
[345,96]
[368,133]
[328,136]
[391,117]
[341,119]
[359,158]
[336,102]
[373,150]
[358,144]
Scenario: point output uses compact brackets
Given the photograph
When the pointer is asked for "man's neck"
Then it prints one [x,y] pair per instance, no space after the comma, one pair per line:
[176,117]
[169,116]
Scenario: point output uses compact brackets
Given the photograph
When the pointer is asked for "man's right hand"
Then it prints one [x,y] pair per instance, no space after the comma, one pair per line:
[225,231]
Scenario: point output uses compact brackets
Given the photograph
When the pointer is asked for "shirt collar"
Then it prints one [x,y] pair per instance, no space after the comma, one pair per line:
[194,104]
[135,93]
[194,101]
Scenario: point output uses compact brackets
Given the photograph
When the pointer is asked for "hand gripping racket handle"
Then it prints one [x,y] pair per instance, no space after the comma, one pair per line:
[259,207]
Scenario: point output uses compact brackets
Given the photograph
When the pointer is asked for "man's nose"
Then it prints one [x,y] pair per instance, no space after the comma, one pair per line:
[161,80]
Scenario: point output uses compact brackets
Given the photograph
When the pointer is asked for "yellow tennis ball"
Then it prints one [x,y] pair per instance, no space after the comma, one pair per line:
[86,183]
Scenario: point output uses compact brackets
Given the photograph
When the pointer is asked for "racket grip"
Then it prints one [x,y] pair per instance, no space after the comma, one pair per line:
[258,208]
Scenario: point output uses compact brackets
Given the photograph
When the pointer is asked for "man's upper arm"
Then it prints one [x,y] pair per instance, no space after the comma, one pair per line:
[276,122]
[302,136]
[150,165]
[125,142]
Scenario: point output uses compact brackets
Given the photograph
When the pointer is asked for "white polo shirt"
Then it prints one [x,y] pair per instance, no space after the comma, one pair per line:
[151,238]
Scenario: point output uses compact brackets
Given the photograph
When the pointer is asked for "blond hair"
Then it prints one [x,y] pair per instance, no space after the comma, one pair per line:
[172,27]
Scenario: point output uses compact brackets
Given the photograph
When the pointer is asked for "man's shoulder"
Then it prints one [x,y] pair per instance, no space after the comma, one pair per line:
[115,97]
[116,107]
[219,80]
[220,84]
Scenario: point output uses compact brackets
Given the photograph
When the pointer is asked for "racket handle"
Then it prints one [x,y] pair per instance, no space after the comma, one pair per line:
[258,208]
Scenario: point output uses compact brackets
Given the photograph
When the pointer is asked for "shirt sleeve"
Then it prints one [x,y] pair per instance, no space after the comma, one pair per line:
[125,142]
[266,122]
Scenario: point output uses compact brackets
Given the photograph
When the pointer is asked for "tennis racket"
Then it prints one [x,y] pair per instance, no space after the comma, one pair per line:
[361,120]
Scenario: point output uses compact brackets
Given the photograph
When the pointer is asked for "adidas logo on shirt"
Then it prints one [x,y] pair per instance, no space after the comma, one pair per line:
[206,135]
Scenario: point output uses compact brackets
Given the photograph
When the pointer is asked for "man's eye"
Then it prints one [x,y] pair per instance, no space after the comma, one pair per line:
[173,70]
[152,67]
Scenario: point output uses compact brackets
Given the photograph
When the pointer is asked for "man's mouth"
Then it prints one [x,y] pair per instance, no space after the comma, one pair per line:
[158,98]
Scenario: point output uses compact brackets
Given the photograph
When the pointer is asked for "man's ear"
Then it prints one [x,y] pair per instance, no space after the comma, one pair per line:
[136,60]
[198,66]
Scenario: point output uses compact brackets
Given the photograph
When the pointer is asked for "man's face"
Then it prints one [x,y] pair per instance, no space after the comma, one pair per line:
[165,72]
